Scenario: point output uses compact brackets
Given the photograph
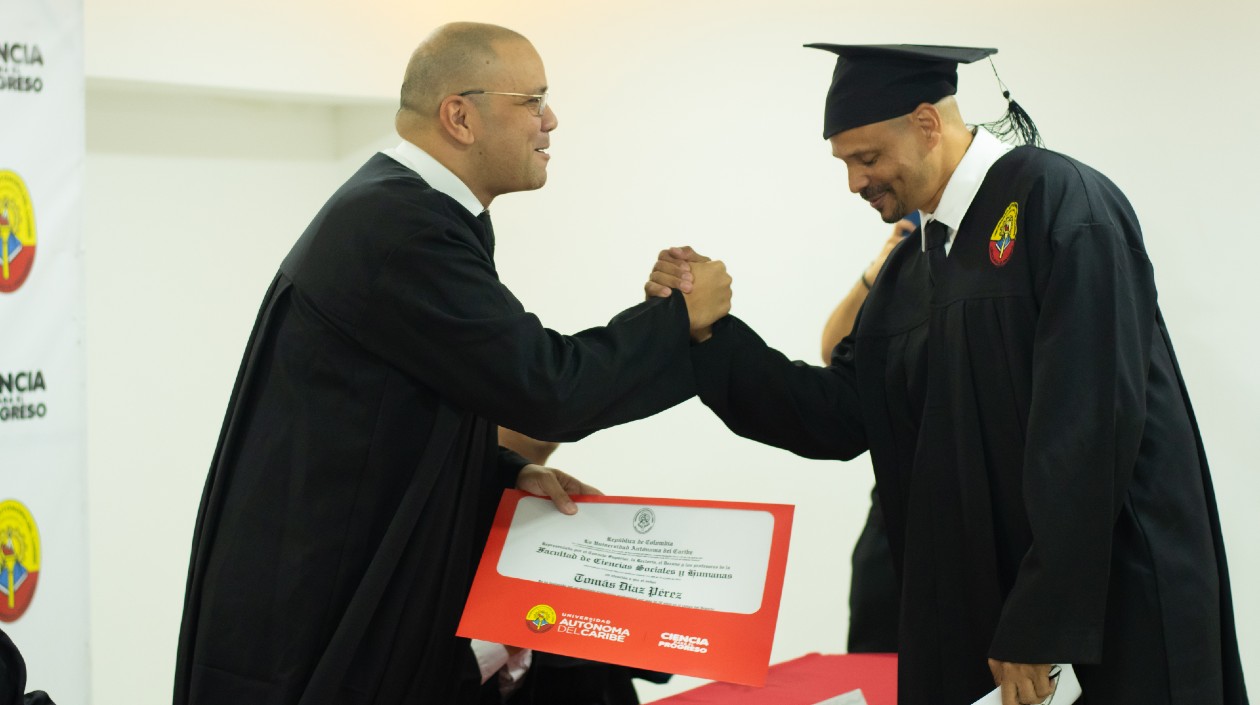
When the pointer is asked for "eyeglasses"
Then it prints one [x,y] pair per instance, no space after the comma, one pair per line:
[537,101]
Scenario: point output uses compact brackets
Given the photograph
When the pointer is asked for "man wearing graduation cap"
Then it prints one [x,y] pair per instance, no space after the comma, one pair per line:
[1037,459]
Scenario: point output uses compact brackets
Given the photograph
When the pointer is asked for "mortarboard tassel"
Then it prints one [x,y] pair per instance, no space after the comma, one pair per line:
[1016,125]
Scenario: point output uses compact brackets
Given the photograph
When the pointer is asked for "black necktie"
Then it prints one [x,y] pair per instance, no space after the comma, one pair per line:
[488,237]
[934,236]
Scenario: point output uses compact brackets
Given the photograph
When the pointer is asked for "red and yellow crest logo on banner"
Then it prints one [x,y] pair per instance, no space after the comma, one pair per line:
[1002,242]
[17,232]
[19,559]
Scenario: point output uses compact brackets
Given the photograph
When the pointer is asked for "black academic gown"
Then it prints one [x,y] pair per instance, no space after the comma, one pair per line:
[562,680]
[13,677]
[1036,456]
[874,588]
[357,470]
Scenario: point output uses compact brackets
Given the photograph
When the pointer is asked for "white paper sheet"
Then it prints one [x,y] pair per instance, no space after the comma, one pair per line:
[698,557]
[853,697]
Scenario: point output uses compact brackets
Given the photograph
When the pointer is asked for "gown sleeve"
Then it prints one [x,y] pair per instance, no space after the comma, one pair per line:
[1091,355]
[439,312]
[760,394]
[510,465]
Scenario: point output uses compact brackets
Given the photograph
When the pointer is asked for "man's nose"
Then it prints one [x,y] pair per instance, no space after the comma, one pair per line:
[857,180]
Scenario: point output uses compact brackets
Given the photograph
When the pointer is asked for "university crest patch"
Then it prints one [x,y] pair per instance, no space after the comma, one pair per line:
[1002,242]
[540,618]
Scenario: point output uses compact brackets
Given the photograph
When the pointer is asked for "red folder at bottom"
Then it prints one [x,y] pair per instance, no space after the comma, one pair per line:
[807,680]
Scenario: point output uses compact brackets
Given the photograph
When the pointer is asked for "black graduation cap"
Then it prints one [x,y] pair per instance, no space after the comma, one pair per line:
[876,82]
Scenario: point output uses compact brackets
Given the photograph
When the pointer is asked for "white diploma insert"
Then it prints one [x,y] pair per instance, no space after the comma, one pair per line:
[698,557]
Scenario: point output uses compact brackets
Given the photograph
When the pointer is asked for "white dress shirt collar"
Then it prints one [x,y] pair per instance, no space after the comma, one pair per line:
[435,174]
[964,183]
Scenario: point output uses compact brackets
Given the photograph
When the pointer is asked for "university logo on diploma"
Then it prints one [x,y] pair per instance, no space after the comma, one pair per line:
[687,587]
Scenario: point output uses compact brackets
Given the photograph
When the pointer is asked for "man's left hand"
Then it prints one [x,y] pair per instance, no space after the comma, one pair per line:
[1022,683]
[553,483]
[673,271]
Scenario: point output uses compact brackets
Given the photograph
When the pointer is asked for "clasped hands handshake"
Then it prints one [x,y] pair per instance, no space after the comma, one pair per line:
[705,285]
[706,288]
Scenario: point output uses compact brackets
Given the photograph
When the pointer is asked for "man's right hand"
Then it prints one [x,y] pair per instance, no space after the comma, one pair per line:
[705,285]
[672,271]
[710,298]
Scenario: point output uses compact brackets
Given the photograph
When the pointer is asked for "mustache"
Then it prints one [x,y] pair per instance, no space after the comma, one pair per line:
[871,193]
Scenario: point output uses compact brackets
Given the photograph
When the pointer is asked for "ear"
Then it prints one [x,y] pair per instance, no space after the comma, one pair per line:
[458,117]
[926,121]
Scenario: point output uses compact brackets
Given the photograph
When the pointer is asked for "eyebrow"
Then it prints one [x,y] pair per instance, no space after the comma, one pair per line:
[859,154]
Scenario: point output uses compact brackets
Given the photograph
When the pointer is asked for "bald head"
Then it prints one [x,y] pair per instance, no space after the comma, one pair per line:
[495,139]
[456,57]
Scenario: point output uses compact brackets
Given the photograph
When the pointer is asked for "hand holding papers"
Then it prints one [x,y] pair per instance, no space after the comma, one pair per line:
[1066,689]
[669,585]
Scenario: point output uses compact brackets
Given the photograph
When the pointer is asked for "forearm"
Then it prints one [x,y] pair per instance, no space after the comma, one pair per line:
[635,367]
[840,323]
[761,395]
[532,449]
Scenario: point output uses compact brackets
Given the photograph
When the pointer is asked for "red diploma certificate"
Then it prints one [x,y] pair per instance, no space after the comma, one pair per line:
[679,586]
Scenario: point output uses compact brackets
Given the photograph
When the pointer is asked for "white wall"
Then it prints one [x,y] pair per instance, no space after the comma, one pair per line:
[215,130]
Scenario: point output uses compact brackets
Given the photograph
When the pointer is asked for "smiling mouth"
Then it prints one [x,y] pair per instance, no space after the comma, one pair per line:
[874,194]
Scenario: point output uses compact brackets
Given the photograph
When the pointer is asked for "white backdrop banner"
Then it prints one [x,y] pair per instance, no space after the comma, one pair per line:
[43,497]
